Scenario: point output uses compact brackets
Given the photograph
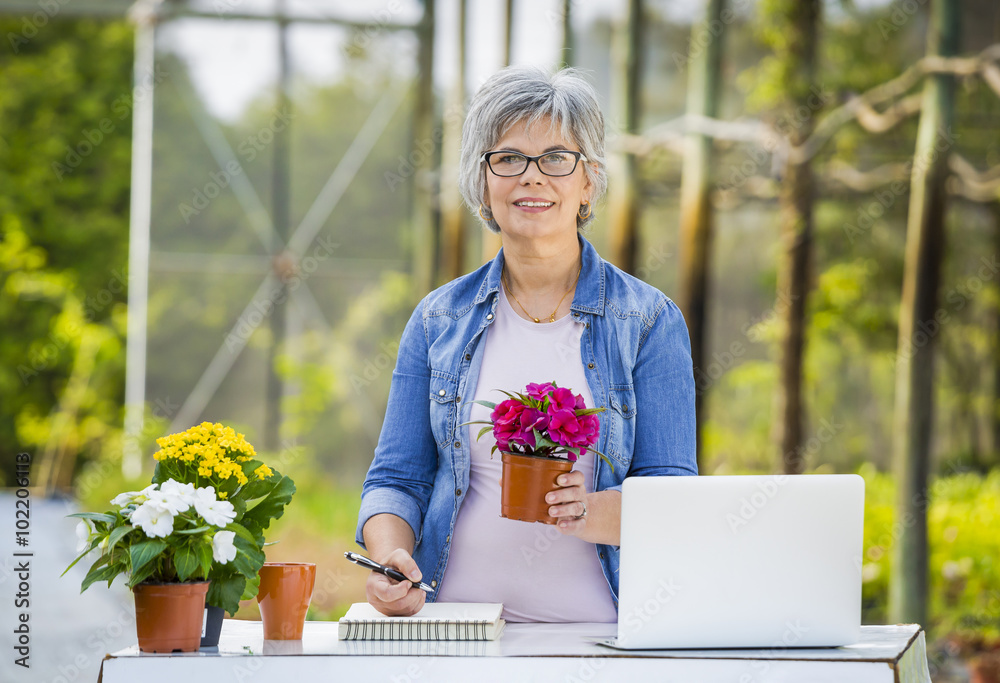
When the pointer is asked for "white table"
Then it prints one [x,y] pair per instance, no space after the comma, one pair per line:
[525,652]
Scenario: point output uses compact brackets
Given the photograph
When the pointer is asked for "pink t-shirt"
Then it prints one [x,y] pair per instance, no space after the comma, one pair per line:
[536,572]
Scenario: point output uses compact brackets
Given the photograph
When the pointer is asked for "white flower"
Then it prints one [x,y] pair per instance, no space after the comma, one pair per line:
[154,520]
[129,497]
[215,512]
[84,532]
[223,549]
[173,497]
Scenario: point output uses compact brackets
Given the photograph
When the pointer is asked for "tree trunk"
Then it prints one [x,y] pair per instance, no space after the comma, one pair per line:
[704,76]
[422,205]
[623,214]
[452,212]
[567,26]
[993,416]
[918,327]
[796,225]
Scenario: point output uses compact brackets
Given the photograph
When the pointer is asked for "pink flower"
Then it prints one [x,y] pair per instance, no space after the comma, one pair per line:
[539,391]
[562,399]
[506,419]
[532,420]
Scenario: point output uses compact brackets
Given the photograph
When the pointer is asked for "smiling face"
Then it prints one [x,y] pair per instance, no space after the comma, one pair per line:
[534,205]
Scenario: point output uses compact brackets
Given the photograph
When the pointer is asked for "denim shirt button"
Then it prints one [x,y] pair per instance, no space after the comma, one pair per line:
[590,366]
[489,316]
[442,392]
[448,539]
[434,584]
[458,492]
[458,444]
[468,356]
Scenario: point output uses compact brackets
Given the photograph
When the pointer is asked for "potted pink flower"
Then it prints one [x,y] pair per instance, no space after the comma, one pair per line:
[540,434]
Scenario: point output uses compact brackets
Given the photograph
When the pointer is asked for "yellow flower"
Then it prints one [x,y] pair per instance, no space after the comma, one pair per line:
[263,472]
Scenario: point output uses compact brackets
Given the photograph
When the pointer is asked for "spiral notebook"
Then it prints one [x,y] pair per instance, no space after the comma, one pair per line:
[435,621]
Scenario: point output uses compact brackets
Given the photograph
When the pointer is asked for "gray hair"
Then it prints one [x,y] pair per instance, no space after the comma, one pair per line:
[525,93]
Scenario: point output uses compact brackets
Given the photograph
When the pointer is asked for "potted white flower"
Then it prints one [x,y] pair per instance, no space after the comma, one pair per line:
[165,540]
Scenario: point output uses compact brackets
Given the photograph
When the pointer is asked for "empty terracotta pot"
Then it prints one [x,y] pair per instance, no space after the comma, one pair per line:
[285,591]
[526,480]
[169,616]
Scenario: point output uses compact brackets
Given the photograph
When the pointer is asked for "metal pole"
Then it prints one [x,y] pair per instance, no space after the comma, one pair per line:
[138,252]
[284,262]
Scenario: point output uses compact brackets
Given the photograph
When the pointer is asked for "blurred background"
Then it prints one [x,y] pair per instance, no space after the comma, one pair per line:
[226,210]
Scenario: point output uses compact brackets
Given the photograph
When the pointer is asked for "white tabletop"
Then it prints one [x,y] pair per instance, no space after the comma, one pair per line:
[525,652]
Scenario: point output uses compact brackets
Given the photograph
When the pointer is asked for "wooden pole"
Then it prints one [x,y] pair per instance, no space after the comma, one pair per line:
[918,325]
[623,210]
[423,203]
[452,213]
[704,78]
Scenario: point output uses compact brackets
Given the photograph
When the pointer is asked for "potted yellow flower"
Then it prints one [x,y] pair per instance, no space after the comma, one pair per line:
[217,457]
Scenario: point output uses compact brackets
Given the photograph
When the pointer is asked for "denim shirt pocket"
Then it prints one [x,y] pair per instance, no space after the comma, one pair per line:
[621,440]
[444,388]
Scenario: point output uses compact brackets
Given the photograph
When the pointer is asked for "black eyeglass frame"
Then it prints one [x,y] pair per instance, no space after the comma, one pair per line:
[577,155]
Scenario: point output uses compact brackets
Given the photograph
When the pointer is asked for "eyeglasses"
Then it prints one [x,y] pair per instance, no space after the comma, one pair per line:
[510,164]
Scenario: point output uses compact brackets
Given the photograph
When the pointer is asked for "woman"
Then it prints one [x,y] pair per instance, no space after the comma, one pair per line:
[547,308]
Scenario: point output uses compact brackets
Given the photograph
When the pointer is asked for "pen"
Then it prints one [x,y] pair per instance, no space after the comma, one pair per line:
[393,574]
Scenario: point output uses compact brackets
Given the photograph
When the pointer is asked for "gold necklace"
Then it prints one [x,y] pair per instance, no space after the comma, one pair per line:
[552,316]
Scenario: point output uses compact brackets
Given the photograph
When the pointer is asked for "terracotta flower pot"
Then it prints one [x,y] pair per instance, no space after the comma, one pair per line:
[168,616]
[285,591]
[526,480]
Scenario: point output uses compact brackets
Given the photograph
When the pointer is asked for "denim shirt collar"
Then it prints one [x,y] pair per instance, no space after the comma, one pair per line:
[589,297]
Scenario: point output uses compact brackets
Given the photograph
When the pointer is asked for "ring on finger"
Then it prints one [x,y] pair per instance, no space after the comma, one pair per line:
[583,514]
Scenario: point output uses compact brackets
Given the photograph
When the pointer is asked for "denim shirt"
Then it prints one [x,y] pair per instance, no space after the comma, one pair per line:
[638,365]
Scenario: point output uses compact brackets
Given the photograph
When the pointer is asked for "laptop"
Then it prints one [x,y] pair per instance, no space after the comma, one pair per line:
[740,562]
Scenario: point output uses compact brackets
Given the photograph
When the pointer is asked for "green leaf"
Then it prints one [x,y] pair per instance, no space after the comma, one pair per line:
[143,553]
[589,411]
[196,530]
[252,588]
[105,517]
[99,571]
[489,404]
[93,544]
[141,575]
[483,431]
[242,532]
[205,557]
[186,562]
[259,516]
[116,535]
[249,558]
[257,489]
[226,591]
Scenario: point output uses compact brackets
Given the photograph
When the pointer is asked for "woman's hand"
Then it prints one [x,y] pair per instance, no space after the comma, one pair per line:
[396,598]
[568,503]
[602,523]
